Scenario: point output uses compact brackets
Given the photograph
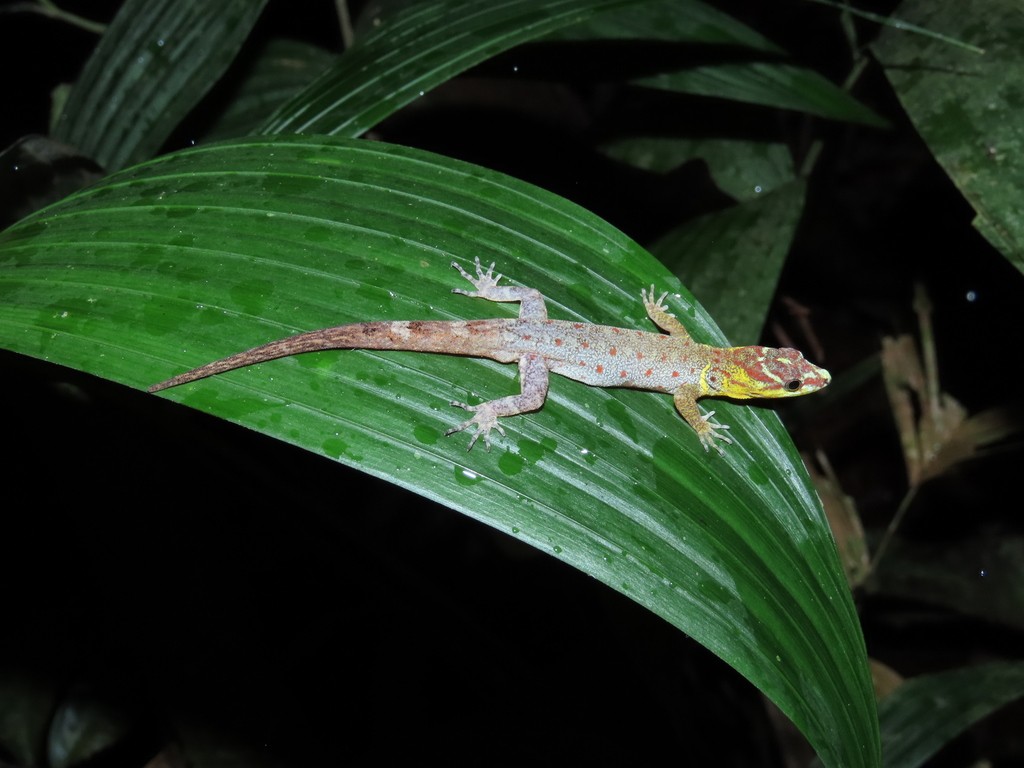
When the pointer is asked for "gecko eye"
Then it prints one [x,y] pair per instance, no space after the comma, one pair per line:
[793,385]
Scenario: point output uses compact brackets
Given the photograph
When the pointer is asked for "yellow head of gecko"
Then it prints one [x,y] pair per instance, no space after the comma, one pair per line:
[748,372]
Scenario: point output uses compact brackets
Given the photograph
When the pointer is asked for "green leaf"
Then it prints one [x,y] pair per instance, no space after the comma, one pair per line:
[154,63]
[783,86]
[927,712]
[742,168]
[209,251]
[968,107]
[280,71]
[751,239]
[84,726]
[27,704]
[417,50]
[755,77]
[683,21]
[978,575]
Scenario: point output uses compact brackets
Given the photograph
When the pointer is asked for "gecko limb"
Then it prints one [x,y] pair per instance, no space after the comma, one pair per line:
[533,377]
[531,301]
[660,316]
[686,404]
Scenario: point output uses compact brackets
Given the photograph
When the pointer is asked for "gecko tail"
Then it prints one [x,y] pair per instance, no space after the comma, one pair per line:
[412,336]
[272,351]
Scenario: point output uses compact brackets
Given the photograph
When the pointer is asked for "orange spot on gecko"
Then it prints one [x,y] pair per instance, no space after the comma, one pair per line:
[639,355]
[613,351]
[585,344]
[600,369]
[675,374]
[558,342]
[527,337]
[649,372]
[578,326]
[623,375]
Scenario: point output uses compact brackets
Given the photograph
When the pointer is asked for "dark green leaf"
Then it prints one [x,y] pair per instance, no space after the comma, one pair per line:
[280,71]
[968,107]
[732,259]
[783,86]
[743,169]
[206,252]
[925,713]
[682,21]
[153,64]
[757,76]
[414,51]
[26,707]
[84,725]
[980,575]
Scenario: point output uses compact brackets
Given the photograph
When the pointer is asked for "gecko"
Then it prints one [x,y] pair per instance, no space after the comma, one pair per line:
[597,355]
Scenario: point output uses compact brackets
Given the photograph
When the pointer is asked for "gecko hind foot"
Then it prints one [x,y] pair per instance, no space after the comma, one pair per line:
[485,420]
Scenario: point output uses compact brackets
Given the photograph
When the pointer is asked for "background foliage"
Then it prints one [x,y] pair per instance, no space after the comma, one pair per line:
[653,116]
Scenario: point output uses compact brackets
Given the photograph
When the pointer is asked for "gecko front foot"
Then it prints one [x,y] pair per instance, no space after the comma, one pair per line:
[485,281]
[485,420]
[659,314]
[708,435]
[652,304]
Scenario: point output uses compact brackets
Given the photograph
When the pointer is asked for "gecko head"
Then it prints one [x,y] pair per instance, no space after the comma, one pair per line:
[746,372]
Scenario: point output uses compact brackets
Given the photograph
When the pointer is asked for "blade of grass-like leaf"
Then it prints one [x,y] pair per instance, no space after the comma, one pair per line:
[967,107]
[209,251]
[681,21]
[948,575]
[415,50]
[769,83]
[742,168]
[927,712]
[281,70]
[51,11]
[900,24]
[783,86]
[153,64]
[737,253]
[26,712]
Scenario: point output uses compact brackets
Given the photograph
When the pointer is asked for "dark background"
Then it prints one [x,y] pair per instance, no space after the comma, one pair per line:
[204,585]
